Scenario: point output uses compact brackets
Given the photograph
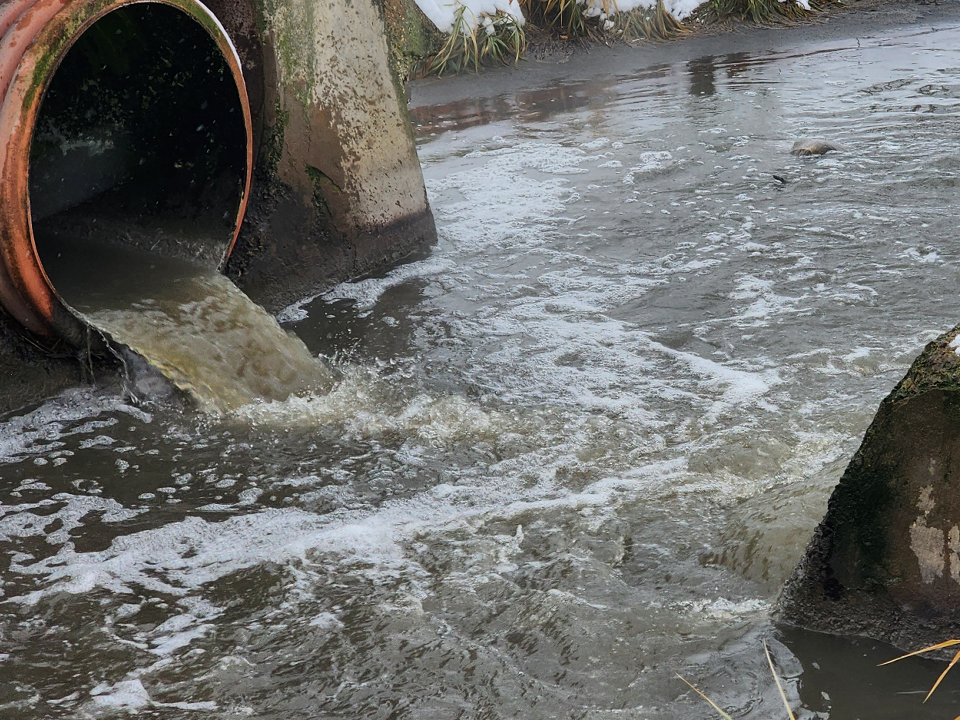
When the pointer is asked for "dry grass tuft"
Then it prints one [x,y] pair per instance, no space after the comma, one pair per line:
[494,39]
[932,648]
[725,715]
[757,11]
[601,19]
[565,17]
[655,24]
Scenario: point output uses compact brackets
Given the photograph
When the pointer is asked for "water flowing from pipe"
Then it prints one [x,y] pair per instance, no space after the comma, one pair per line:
[189,322]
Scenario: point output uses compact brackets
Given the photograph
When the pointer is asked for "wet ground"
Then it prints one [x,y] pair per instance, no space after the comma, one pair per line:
[573,451]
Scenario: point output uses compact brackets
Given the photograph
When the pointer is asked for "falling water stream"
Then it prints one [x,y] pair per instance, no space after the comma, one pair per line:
[571,452]
[188,321]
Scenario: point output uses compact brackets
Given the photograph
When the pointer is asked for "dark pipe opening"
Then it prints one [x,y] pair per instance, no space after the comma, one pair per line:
[139,152]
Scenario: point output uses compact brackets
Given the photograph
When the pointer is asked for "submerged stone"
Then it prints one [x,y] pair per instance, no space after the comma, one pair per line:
[813,147]
[885,561]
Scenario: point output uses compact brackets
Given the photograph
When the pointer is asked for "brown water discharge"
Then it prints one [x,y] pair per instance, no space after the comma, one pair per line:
[188,321]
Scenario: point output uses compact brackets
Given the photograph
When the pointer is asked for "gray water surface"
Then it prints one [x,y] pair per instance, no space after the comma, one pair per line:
[572,452]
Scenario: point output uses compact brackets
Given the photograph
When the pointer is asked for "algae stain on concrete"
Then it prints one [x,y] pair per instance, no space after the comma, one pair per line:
[412,38]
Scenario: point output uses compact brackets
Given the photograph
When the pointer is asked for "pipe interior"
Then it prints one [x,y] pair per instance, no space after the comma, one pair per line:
[138,154]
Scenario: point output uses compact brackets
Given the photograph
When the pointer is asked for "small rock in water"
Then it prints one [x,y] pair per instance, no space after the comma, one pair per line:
[813,147]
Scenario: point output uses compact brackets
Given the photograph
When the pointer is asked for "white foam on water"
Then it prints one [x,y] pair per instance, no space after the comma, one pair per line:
[739,387]
[724,609]
[543,364]
[650,162]
[326,620]
[178,632]
[180,558]
[125,695]
[506,196]
[18,521]
[67,415]
[545,157]
[154,559]
[554,340]
[366,293]
[765,305]
[923,256]
[130,696]
[361,406]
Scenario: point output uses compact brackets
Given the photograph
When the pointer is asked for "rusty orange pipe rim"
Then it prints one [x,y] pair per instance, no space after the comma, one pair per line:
[35,36]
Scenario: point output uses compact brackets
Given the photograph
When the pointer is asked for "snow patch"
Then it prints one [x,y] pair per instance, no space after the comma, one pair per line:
[443,13]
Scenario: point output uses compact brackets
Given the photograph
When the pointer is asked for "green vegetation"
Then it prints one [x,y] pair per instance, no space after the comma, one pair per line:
[499,39]
[471,44]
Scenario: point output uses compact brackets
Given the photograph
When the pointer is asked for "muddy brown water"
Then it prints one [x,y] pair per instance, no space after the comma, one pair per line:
[190,323]
[570,453]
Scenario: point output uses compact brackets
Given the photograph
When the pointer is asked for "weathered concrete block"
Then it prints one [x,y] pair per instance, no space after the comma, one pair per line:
[339,190]
[885,561]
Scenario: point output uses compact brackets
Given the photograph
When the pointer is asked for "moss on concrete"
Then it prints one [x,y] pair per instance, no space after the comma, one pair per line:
[271,146]
[323,188]
[339,189]
[937,368]
[859,513]
[410,35]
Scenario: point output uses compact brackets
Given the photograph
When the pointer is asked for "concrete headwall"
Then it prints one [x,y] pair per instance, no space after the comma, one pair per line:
[338,190]
[885,561]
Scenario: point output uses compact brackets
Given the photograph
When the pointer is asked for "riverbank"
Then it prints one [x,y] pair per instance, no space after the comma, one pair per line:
[554,61]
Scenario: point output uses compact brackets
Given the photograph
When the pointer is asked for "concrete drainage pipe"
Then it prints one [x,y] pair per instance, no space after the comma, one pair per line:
[128,113]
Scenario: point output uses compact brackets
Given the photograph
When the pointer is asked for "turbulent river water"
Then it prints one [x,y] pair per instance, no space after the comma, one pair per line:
[570,453]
